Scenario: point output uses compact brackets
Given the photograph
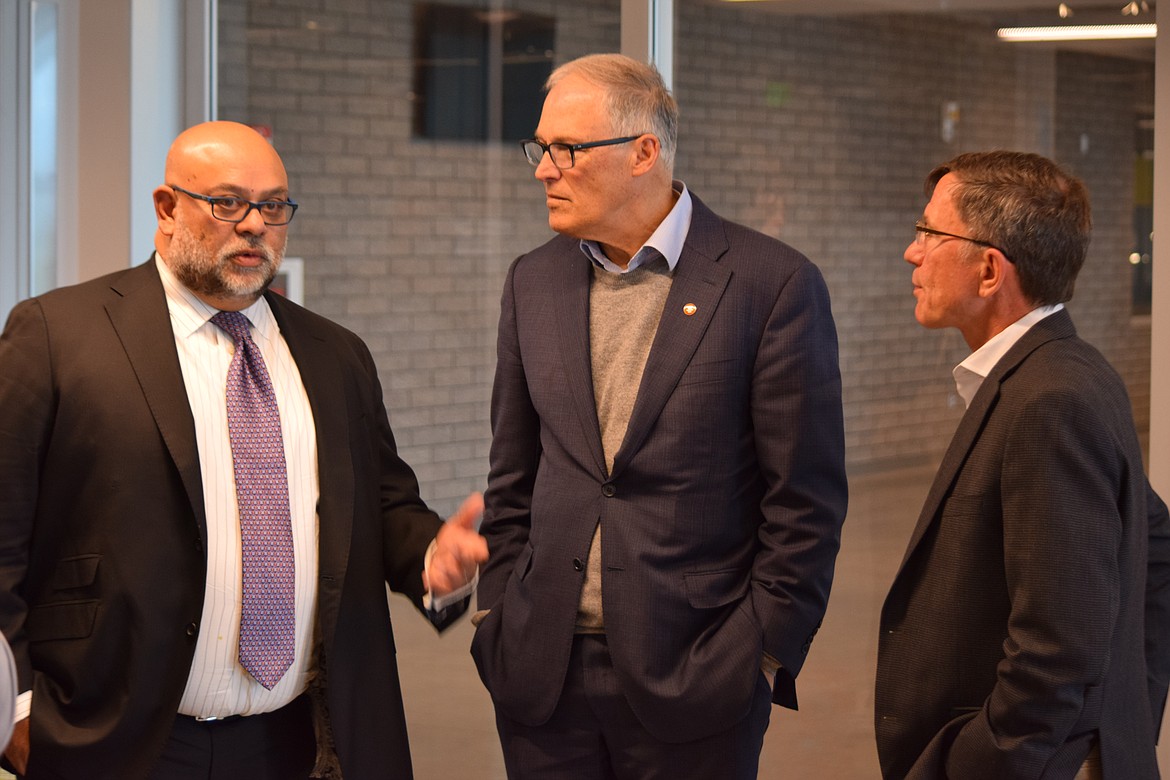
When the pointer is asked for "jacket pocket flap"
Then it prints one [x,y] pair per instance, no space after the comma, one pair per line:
[64,620]
[710,589]
[77,572]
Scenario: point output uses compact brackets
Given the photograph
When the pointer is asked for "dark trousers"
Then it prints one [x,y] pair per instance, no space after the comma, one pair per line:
[594,735]
[277,745]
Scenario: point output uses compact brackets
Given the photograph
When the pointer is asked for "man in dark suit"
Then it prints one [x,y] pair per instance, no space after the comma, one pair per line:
[667,485]
[127,562]
[1025,635]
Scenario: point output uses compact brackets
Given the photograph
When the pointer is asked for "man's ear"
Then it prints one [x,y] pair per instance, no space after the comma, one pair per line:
[995,271]
[164,209]
[646,151]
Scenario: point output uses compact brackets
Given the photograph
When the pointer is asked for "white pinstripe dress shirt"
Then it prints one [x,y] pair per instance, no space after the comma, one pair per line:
[218,686]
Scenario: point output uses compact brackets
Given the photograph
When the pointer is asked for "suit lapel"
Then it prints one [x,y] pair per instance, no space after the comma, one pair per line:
[140,317]
[573,334]
[699,282]
[1055,326]
[953,459]
[322,378]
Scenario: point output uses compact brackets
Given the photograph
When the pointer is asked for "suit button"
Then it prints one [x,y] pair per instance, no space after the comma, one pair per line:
[577,565]
[192,629]
[608,490]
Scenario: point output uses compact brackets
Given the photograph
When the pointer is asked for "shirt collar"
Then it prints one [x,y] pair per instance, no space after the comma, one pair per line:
[969,374]
[667,239]
[189,314]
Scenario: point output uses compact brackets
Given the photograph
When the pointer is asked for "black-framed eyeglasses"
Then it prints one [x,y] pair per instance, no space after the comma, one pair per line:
[564,155]
[227,208]
[922,231]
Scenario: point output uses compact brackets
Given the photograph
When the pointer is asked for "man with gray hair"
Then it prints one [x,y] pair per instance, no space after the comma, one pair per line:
[667,483]
[1026,633]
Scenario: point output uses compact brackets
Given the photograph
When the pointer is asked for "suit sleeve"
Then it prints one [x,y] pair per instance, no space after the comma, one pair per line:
[1062,537]
[515,456]
[797,422]
[409,525]
[1158,605]
[26,401]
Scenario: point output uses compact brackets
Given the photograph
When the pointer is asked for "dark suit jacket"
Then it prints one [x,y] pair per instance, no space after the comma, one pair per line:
[102,563]
[722,515]
[1015,631]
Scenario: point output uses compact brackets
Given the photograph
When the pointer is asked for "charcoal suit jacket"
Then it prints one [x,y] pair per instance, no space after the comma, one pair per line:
[721,517]
[1036,584]
[103,563]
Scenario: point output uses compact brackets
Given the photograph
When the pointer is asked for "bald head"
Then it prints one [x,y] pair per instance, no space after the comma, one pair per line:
[213,152]
[227,264]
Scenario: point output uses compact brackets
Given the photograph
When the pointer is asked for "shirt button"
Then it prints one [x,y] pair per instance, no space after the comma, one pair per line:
[608,490]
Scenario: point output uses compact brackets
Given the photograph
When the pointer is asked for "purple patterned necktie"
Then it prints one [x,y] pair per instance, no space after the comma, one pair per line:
[267,622]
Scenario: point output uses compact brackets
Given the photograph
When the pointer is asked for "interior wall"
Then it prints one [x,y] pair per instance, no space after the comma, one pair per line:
[821,130]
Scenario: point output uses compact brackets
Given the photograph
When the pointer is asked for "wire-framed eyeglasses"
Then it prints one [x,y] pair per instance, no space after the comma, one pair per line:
[227,208]
[922,231]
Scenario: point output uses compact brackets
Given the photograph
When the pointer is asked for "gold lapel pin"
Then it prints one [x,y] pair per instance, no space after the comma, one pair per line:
[690,309]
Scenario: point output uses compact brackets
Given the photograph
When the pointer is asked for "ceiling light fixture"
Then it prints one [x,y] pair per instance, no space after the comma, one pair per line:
[1064,11]
[1092,32]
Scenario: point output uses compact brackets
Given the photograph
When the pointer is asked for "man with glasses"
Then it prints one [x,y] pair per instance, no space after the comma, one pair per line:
[1026,634]
[201,506]
[667,484]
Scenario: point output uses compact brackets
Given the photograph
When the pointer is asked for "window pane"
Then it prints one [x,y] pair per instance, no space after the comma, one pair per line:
[406,239]
[478,73]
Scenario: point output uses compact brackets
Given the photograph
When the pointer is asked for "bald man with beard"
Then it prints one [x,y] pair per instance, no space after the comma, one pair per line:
[122,571]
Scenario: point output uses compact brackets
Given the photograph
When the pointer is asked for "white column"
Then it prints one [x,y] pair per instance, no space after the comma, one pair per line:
[648,34]
[1160,335]
[12,282]
[101,138]
[1160,325]
[142,73]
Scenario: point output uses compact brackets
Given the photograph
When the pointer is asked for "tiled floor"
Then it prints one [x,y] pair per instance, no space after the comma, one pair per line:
[452,730]
[830,738]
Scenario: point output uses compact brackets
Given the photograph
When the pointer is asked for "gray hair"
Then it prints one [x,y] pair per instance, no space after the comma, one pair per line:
[636,98]
[1031,209]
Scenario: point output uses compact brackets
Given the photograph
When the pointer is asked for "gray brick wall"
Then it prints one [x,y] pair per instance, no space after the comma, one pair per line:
[815,130]
[1096,101]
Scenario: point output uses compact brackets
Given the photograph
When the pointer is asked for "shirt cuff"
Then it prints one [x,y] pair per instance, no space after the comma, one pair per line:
[23,706]
[439,603]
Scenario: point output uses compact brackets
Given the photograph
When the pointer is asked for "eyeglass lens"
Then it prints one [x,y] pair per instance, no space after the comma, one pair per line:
[236,210]
[560,154]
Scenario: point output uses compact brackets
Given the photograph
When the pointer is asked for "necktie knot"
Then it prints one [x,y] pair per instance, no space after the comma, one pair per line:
[234,323]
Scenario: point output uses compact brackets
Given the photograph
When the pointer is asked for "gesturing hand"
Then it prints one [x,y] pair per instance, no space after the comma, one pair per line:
[459,550]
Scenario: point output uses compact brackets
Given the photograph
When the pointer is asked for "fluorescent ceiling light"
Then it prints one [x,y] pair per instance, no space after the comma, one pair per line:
[1094,32]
